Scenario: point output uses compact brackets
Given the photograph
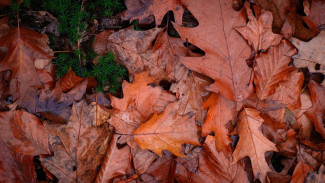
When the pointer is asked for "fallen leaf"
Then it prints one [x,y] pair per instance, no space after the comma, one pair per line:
[23,133]
[163,168]
[15,167]
[272,67]
[316,112]
[24,48]
[316,14]
[221,111]
[69,81]
[288,148]
[147,99]
[167,131]
[316,177]
[116,163]
[300,173]
[258,32]
[142,159]
[225,50]
[79,148]
[311,53]
[142,9]
[252,143]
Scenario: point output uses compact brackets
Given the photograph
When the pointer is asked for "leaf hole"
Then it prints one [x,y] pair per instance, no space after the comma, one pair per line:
[165,84]
[188,20]
[194,48]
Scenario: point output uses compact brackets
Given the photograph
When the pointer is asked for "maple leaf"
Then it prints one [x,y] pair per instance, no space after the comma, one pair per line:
[116,162]
[147,99]
[79,148]
[225,50]
[167,131]
[15,167]
[272,67]
[300,172]
[221,111]
[142,9]
[311,53]
[316,112]
[23,133]
[24,47]
[259,33]
[252,143]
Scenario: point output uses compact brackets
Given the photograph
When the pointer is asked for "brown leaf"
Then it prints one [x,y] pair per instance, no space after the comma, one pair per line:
[116,163]
[79,148]
[272,68]
[24,48]
[316,14]
[259,33]
[221,111]
[225,50]
[311,53]
[142,159]
[69,81]
[316,113]
[300,173]
[142,9]
[15,167]
[23,133]
[316,178]
[147,99]
[288,148]
[252,143]
[55,105]
[163,168]
[167,131]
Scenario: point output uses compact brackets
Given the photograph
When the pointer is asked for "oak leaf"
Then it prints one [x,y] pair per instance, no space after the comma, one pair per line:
[221,111]
[24,48]
[258,32]
[252,143]
[15,167]
[316,112]
[116,162]
[147,99]
[272,67]
[23,133]
[316,13]
[311,53]
[167,131]
[225,50]
[79,148]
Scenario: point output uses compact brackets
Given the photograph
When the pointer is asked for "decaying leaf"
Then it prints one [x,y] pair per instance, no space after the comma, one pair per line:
[272,67]
[225,50]
[167,131]
[316,177]
[24,48]
[316,113]
[300,172]
[23,133]
[15,167]
[259,33]
[316,15]
[252,143]
[79,148]
[311,54]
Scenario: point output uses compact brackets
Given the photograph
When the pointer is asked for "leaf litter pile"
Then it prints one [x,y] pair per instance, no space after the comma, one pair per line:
[219,91]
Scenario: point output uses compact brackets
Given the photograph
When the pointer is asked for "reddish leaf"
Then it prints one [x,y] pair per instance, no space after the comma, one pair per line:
[272,68]
[315,17]
[316,113]
[252,143]
[167,131]
[142,159]
[69,81]
[116,163]
[23,133]
[15,167]
[225,50]
[24,48]
[300,173]
[288,148]
[163,168]
[259,33]
[316,177]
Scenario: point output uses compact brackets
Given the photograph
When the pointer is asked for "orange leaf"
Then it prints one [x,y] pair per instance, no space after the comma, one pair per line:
[300,173]
[167,131]
[252,143]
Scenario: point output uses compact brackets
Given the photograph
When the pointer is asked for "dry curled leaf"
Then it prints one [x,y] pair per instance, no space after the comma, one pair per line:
[167,131]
